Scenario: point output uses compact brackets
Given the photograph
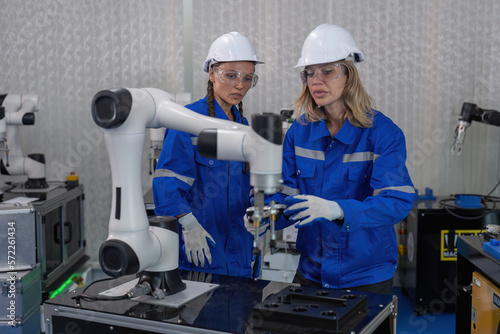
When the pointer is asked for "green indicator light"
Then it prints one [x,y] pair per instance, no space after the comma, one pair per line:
[62,287]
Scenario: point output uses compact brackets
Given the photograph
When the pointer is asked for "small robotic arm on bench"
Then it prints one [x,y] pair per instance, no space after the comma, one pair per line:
[471,112]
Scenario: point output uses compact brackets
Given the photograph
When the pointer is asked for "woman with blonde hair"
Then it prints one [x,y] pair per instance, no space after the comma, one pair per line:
[344,175]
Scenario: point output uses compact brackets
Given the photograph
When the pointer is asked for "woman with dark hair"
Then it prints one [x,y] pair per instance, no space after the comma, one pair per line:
[208,196]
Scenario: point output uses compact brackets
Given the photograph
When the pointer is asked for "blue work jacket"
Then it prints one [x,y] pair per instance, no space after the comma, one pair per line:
[215,191]
[363,170]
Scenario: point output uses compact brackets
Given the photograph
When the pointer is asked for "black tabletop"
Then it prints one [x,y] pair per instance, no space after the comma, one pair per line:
[234,306]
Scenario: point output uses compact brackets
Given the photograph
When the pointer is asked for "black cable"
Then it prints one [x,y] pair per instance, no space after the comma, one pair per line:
[91,298]
[492,190]
[86,297]
[484,206]
[479,235]
[293,250]
[98,281]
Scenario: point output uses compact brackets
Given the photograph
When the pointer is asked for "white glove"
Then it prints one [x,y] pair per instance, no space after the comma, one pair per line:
[264,226]
[197,241]
[307,209]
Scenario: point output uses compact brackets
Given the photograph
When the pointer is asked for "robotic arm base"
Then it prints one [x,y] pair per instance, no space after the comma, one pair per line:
[168,282]
[36,184]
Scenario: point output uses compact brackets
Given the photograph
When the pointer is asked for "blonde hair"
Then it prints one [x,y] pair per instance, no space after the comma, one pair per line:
[357,103]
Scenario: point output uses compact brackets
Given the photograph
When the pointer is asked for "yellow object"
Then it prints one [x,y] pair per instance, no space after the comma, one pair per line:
[402,249]
[485,305]
[72,177]
[449,239]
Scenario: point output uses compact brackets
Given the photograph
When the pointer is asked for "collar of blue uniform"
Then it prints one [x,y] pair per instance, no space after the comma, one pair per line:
[219,113]
[346,134]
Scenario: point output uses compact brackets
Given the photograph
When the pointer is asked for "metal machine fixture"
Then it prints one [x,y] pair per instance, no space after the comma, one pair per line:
[271,212]
[124,114]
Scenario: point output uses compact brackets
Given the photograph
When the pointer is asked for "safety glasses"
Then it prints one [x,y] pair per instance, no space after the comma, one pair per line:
[325,73]
[233,78]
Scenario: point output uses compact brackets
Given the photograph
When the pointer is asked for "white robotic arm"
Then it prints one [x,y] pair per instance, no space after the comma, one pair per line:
[124,114]
[19,110]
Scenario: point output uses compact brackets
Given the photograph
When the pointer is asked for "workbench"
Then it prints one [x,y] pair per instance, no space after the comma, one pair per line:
[233,307]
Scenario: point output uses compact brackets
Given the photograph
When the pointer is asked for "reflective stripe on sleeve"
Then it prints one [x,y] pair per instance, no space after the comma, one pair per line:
[311,154]
[360,156]
[289,191]
[169,173]
[194,141]
[405,189]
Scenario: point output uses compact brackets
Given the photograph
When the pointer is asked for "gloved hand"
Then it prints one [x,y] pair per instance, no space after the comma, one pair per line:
[264,225]
[196,240]
[307,209]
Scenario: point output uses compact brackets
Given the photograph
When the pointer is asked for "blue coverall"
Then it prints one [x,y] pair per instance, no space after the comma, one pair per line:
[363,170]
[216,192]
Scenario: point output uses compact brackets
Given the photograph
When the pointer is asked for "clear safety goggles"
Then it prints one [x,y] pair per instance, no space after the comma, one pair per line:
[325,73]
[232,78]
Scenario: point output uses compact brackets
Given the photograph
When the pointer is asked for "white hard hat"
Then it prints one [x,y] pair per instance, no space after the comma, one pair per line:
[329,43]
[232,46]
